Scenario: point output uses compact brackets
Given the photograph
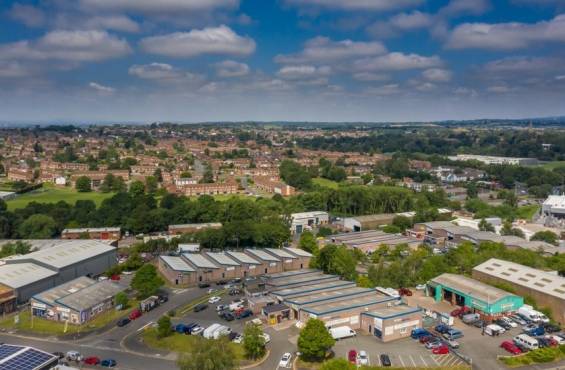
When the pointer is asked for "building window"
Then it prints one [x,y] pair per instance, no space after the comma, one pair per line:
[403,330]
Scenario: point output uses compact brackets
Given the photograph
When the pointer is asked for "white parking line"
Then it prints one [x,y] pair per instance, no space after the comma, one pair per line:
[413,362]
[433,358]
[424,361]
[402,362]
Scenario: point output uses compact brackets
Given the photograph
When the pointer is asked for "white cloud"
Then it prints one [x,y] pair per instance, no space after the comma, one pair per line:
[506,36]
[437,75]
[524,65]
[11,69]
[384,90]
[163,73]
[397,62]
[212,40]
[231,68]
[303,72]
[160,6]
[73,46]
[499,89]
[111,22]
[106,90]
[323,49]
[369,76]
[27,14]
[357,5]
[401,23]
[459,7]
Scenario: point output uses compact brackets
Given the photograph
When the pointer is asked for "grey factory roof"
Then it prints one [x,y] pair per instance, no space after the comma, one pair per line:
[312,288]
[80,294]
[222,259]
[294,273]
[471,287]
[299,252]
[538,280]
[347,292]
[199,260]
[302,280]
[177,263]
[91,230]
[21,274]
[39,244]
[347,304]
[391,312]
[66,253]
[262,255]
[280,253]
[196,226]
[243,258]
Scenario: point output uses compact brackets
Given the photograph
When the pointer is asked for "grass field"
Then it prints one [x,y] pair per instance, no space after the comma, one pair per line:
[50,194]
[527,212]
[44,326]
[325,182]
[554,164]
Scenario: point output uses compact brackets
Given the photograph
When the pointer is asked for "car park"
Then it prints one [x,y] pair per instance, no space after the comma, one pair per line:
[352,356]
[245,313]
[559,340]
[108,363]
[200,307]
[385,360]
[510,347]
[123,322]
[362,358]
[197,330]
[285,360]
[509,322]
[214,299]
[92,360]
[221,307]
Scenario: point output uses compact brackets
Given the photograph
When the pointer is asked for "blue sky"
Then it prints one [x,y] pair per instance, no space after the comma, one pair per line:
[302,60]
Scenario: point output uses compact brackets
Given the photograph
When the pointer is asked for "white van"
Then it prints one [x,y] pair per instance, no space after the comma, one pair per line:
[342,332]
[494,329]
[209,331]
[529,312]
[222,330]
[526,341]
[542,317]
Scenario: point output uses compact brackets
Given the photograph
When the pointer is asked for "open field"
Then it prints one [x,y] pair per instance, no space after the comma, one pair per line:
[527,212]
[553,165]
[325,182]
[49,194]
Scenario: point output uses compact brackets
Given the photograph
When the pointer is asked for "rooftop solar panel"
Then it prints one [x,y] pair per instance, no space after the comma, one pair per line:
[24,358]
[7,350]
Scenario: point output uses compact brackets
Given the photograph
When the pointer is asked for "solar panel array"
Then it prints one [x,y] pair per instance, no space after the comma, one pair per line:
[23,358]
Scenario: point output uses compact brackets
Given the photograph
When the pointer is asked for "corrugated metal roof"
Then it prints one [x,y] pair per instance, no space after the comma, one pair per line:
[280,253]
[299,252]
[243,258]
[262,255]
[199,260]
[222,259]
[177,263]
[21,274]
[471,287]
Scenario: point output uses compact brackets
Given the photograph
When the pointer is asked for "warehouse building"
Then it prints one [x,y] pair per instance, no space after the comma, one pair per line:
[546,288]
[38,271]
[250,266]
[391,323]
[288,293]
[319,277]
[302,257]
[554,206]
[370,241]
[460,290]
[177,270]
[368,222]
[76,301]
[206,270]
[307,221]
[192,228]
[8,300]
[290,260]
[231,268]
[103,233]
[269,263]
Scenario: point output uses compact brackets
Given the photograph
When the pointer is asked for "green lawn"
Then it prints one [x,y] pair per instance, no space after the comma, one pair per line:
[50,194]
[527,212]
[325,182]
[180,342]
[48,327]
[553,165]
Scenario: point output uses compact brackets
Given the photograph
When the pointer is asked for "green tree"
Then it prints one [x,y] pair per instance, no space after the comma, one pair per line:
[253,341]
[546,236]
[108,183]
[402,222]
[308,242]
[164,326]
[206,354]
[83,184]
[364,282]
[146,281]
[38,226]
[121,299]
[137,188]
[338,364]
[472,190]
[295,175]
[485,226]
[314,340]
[151,184]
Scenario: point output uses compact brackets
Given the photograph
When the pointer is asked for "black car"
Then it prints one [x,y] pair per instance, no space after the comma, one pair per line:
[234,291]
[200,307]
[221,282]
[385,360]
[123,322]
[228,316]
[232,335]
[163,298]
[543,342]
[503,324]
[203,285]
[551,328]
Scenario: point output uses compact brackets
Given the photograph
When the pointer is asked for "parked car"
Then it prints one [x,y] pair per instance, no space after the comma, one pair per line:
[460,311]
[108,363]
[503,324]
[546,342]
[535,332]
[453,334]
[238,339]
[214,299]
[362,358]
[92,360]
[123,322]
[197,330]
[163,298]
[510,347]
[221,282]
[73,356]
[551,328]
[234,291]
[442,328]
[426,338]
[352,356]
[405,291]
[509,321]
[421,287]
[221,307]
[470,318]
[559,340]
[419,332]
[285,360]
[200,307]
[203,285]
[479,324]
[135,314]
[385,360]
[452,343]
[434,343]
[441,350]
[518,320]
[245,313]
[228,316]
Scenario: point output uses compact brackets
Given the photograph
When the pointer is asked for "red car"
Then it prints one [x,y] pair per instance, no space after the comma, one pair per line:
[441,350]
[460,311]
[115,277]
[92,360]
[352,356]
[510,347]
[425,339]
[134,314]
[405,291]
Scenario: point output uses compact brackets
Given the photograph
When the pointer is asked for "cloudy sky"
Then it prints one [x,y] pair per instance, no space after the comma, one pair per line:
[315,60]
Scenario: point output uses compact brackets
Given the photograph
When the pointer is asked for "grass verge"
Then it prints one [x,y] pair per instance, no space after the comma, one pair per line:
[325,182]
[527,212]
[539,356]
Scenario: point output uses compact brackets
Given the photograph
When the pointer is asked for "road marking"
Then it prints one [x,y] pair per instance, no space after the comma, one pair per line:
[402,362]
[424,361]
[144,326]
[433,358]
[413,362]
